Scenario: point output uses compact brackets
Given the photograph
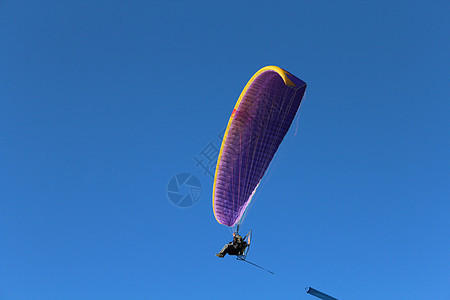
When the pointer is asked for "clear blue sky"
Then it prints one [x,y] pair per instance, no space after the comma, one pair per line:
[102,102]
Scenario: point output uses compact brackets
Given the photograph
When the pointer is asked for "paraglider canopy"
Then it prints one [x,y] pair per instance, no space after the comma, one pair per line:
[259,121]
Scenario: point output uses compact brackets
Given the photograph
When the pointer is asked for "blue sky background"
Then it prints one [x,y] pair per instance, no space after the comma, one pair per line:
[102,102]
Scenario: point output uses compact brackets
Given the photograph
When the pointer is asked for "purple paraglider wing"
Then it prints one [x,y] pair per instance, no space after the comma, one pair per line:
[260,120]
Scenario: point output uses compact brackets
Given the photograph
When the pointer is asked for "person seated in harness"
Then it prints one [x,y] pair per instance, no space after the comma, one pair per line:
[236,247]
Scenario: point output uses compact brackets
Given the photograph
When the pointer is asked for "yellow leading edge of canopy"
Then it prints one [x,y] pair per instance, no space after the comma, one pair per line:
[286,80]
